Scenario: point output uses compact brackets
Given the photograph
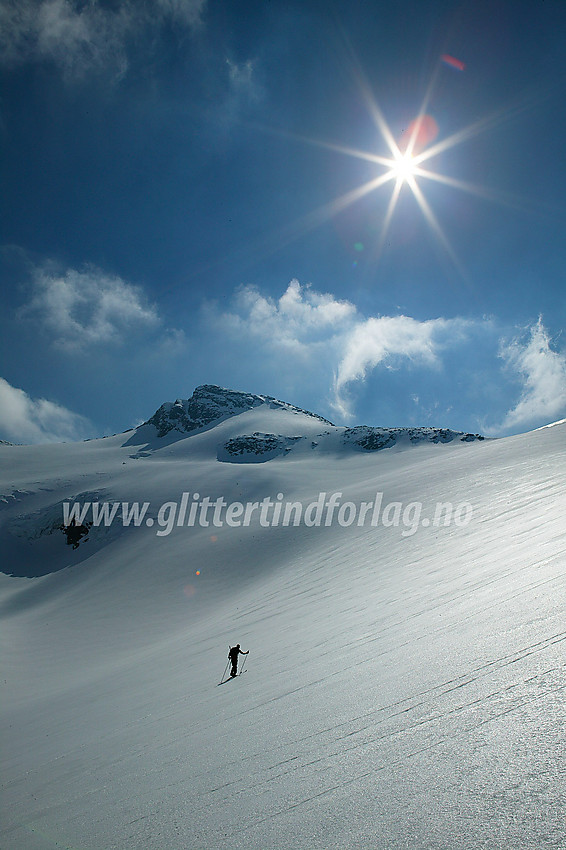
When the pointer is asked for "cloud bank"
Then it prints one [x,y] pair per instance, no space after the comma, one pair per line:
[306,343]
[316,327]
[323,339]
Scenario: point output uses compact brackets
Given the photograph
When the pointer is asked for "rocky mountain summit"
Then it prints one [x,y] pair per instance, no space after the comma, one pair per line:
[210,404]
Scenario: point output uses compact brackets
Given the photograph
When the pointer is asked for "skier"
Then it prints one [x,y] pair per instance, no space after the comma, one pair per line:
[233,656]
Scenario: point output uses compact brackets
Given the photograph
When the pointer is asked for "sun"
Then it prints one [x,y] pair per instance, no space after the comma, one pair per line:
[406,163]
[404,167]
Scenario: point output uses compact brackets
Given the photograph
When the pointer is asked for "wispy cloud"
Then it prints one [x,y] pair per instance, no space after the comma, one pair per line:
[388,341]
[27,420]
[185,11]
[240,93]
[309,326]
[241,75]
[79,309]
[543,375]
[80,37]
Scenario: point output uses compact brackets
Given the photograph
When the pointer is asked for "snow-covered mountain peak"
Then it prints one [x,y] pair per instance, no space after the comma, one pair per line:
[209,405]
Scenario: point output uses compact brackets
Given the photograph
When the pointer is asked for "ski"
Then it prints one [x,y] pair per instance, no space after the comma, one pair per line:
[229,679]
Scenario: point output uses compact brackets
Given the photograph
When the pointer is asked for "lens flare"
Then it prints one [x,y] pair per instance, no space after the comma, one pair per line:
[419,135]
[453,62]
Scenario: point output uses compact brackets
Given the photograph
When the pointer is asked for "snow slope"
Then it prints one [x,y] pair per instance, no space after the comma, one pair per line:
[405,685]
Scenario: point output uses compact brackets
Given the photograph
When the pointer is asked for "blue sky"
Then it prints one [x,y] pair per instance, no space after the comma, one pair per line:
[198,192]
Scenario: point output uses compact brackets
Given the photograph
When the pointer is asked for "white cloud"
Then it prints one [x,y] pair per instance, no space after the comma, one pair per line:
[84,308]
[543,373]
[297,320]
[310,338]
[379,340]
[82,36]
[27,420]
[315,326]
[388,341]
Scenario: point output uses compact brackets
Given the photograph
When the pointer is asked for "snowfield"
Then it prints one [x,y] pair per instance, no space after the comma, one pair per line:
[406,682]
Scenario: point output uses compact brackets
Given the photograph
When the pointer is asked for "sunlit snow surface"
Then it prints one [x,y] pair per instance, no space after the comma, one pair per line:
[400,692]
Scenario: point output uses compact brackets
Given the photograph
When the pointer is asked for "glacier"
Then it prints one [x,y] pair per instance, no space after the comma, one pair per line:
[402,689]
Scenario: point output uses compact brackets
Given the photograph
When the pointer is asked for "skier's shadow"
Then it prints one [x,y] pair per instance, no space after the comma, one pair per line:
[229,679]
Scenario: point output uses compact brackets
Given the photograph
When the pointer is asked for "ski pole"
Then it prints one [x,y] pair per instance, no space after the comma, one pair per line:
[224,673]
[244,664]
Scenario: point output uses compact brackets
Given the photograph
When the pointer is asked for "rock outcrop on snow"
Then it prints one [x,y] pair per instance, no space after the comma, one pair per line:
[372,439]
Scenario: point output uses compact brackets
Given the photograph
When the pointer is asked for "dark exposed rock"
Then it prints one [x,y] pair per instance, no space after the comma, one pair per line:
[211,404]
[372,439]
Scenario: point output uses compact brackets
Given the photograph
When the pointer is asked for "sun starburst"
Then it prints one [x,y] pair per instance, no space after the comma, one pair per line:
[403,167]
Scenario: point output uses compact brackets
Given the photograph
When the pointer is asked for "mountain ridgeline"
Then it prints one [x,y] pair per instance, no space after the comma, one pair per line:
[211,405]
